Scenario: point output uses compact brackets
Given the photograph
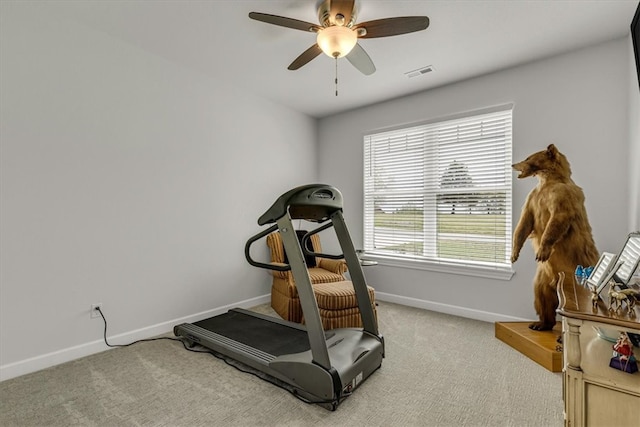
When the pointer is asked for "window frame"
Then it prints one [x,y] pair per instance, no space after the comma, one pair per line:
[501,271]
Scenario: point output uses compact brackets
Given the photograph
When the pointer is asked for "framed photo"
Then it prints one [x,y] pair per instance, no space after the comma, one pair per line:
[604,265]
[629,258]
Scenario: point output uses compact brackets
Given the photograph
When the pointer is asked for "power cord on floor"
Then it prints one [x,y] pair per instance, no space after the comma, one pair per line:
[217,355]
[143,340]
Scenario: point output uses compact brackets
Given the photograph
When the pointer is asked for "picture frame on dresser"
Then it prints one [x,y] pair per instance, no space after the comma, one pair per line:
[629,260]
[603,272]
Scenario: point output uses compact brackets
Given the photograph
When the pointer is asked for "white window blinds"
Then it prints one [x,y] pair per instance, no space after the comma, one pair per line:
[441,192]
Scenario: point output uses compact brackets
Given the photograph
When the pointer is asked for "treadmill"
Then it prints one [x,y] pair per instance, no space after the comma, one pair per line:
[321,367]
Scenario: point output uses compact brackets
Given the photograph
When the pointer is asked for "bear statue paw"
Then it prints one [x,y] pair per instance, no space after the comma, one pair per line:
[540,326]
[543,256]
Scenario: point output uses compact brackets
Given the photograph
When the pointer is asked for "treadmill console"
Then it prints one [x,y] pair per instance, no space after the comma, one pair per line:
[313,202]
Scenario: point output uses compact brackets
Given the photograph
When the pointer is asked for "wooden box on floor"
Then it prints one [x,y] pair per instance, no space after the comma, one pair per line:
[541,347]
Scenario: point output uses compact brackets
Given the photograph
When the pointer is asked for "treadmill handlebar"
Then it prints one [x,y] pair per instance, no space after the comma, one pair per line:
[285,267]
[313,202]
[305,245]
[247,251]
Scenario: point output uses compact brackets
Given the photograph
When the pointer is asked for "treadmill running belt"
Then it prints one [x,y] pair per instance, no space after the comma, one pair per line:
[263,335]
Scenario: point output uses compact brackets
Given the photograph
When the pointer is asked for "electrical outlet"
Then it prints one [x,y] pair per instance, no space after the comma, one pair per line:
[94,310]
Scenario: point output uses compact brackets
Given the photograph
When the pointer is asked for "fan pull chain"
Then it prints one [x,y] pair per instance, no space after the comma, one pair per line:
[336,76]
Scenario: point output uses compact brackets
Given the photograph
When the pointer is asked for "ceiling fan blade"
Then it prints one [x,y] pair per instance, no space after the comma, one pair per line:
[284,21]
[392,26]
[305,57]
[361,60]
[344,8]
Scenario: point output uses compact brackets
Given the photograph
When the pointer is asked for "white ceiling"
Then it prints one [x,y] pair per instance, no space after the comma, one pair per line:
[466,38]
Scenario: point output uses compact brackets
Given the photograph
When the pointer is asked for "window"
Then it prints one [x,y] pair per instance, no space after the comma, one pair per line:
[438,195]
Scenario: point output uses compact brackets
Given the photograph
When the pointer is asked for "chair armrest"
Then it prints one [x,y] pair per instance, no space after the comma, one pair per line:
[338,266]
[281,274]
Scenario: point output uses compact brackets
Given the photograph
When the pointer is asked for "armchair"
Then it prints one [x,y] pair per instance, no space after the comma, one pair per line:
[284,295]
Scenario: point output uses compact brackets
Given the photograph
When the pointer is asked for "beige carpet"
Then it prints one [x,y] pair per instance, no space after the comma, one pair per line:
[439,370]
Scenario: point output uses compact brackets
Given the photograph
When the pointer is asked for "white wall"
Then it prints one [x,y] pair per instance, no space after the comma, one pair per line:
[578,101]
[130,181]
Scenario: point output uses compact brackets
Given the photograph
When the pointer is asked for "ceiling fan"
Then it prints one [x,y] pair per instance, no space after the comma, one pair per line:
[338,32]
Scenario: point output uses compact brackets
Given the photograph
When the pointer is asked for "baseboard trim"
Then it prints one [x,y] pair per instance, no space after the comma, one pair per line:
[455,310]
[33,364]
[23,367]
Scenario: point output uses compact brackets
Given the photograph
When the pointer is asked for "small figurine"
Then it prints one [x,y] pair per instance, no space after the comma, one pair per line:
[623,358]
[587,272]
[595,297]
[617,298]
[579,274]
[582,274]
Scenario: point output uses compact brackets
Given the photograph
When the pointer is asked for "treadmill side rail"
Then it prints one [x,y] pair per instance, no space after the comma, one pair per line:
[355,271]
[308,301]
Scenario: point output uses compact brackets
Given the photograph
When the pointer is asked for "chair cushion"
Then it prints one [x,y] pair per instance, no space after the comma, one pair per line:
[285,285]
[320,275]
[338,295]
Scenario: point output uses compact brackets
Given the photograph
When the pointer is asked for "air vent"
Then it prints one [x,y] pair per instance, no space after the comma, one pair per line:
[419,71]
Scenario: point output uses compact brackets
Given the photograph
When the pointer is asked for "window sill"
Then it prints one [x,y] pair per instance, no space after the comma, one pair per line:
[486,272]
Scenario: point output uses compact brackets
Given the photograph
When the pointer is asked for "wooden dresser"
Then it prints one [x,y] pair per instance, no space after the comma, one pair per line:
[595,394]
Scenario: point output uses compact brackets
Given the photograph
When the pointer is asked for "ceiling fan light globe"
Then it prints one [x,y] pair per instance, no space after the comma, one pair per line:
[337,41]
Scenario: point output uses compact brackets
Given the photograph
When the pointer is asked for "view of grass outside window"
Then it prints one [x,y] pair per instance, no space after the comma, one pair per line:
[440,192]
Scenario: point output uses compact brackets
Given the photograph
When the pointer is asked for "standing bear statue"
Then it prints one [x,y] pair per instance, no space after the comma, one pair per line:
[554,217]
